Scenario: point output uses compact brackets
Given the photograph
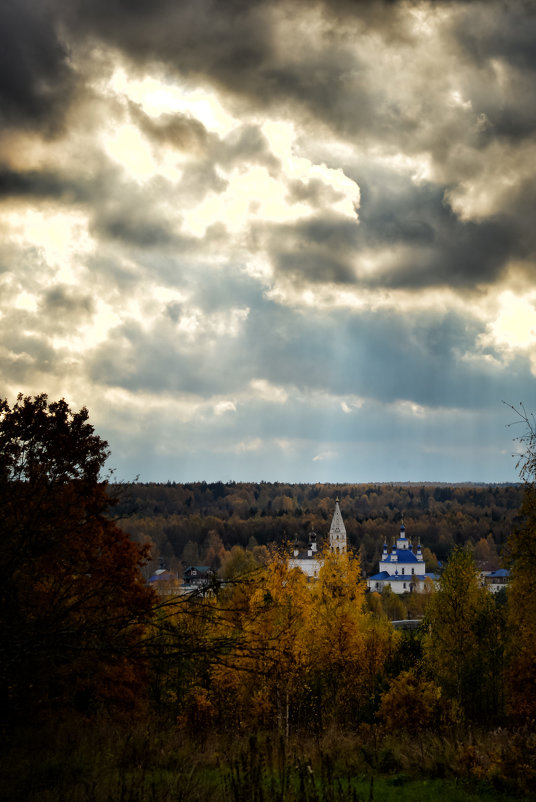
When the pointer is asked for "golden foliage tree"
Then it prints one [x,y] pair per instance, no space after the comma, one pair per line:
[304,653]
[411,703]
[464,644]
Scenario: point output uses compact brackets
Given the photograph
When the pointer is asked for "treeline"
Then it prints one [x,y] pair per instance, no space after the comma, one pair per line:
[198,523]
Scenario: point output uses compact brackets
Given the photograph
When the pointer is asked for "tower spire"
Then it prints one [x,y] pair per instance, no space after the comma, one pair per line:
[337,531]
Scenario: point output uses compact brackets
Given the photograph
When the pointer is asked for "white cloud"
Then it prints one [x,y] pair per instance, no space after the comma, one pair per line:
[222,407]
[61,236]
[268,392]
[484,183]
[325,455]
[252,444]
[26,300]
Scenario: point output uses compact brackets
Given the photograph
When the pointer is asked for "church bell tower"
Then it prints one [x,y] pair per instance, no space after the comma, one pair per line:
[337,532]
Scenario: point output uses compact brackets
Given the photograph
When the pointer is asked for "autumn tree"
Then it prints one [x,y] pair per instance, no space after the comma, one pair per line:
[412,703]
[304,654]
[263,677]
[238,562]
[71,593]
[464,645]
[345,647]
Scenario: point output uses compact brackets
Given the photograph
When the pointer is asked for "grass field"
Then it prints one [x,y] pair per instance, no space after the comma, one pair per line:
[102,760]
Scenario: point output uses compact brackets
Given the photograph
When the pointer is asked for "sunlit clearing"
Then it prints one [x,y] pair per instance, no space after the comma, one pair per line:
[60,236]
[250,195]
[127,147]
[281,136]
[26,301]
[168,295]
[253,194]
[157,97]
[515,325]
[456,99]
[418,167]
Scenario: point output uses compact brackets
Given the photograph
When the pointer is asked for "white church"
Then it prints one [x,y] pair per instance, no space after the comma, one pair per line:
[310,561]
[402,568]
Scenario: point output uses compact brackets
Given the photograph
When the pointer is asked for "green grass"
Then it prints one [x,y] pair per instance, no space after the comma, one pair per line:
[103,761]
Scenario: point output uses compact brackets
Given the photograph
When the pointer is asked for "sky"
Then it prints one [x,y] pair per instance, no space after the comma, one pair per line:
[271,239]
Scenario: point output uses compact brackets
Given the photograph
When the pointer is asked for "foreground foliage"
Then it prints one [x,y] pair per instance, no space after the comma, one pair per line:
[106,759]
[271,650]
[464,644]
[72,598]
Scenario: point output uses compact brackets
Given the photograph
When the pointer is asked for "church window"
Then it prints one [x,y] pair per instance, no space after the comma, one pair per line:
[403,571]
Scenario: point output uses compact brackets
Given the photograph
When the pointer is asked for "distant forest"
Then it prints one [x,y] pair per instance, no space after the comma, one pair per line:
[199,523]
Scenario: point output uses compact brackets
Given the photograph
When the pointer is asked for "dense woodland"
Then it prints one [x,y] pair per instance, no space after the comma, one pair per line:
[262,686]
[199,523]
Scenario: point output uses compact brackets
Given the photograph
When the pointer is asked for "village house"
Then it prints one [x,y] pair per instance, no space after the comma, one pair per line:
[197,577]
[164,582]
[495,581]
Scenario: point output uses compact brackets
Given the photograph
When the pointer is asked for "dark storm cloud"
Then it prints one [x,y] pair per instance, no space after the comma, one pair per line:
[244,144]
[434,247]
[508,33]
[380,355]
[118,208]
[315,192]
[422,358]
[42,184]
[37,81]
[64,301]
[31,183]
[131,223]
[237,46]
[25,357]
[318,250]
[178,130]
